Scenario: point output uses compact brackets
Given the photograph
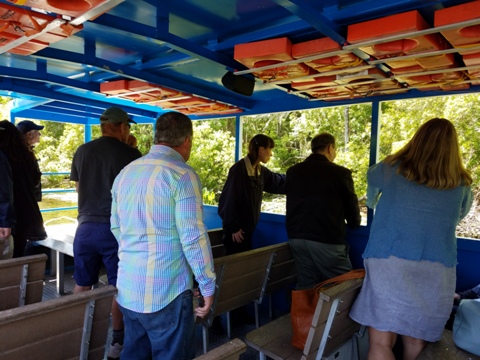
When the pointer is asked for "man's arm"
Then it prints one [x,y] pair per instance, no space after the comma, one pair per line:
[194,237]
[114,219]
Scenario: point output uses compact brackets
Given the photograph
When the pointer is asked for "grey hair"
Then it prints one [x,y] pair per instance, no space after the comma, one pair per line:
[172,128]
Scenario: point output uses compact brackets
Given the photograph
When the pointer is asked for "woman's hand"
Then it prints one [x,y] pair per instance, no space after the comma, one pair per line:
[238,236]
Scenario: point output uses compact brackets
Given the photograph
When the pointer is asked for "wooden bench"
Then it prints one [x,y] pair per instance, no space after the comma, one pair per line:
[70,327]
[241,279]
[331,329]
[21,281]
[445,349]
[282,274]
[228,351]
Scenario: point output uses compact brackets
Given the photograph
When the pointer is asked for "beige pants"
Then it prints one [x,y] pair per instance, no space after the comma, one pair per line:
[6,247]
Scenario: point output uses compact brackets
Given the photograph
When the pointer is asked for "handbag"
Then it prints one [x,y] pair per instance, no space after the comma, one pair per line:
[305,301]
[466,326]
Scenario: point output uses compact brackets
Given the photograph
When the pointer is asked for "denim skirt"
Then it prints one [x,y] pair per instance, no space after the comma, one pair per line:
[412,298]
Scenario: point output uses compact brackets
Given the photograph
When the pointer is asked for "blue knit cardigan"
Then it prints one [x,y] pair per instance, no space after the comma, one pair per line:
[412,221]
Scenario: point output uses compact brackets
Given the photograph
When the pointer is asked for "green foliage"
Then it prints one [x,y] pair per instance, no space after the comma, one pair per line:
[293,132]
[400,120]
[214,140]
[144,134]
[58,143]
[213,154]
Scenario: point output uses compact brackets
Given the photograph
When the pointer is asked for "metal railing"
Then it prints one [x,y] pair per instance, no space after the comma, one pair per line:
[53,191]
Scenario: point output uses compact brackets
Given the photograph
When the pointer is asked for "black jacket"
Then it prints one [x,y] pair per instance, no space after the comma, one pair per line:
[7,213]
[241,199]
[26,177]
[320,198]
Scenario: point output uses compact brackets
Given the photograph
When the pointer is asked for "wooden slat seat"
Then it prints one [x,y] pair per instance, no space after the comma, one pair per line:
[21,281]
[241,279]
[331,328]
[228,351]
[445,349]
[70,327]
[282,274]
[283,271]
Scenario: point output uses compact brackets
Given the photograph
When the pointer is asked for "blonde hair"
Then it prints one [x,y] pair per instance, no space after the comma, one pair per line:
[432,157]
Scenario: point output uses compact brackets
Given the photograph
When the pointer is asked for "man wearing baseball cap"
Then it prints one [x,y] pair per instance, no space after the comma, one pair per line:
[94,168]
[31,133]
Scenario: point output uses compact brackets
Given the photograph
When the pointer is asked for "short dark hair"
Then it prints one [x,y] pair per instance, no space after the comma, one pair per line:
[321,141]
[172,128]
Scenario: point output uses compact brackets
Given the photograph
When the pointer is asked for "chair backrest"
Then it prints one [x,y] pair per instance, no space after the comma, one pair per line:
[21,281]
[216,241]
[241,278]
[283,271]
[331,324]
[70,327]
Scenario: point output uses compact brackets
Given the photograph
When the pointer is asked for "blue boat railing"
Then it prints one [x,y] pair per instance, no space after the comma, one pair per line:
[53,191]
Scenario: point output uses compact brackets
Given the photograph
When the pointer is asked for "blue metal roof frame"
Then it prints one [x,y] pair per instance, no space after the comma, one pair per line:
[185,45]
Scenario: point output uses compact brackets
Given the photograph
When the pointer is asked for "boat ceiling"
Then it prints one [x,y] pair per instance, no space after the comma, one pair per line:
[69,60]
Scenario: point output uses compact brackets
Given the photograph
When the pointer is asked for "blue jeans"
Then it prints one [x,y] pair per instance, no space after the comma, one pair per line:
[168,334]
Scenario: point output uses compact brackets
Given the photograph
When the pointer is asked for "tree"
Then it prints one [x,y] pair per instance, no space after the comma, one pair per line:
[214,141]
[212,155]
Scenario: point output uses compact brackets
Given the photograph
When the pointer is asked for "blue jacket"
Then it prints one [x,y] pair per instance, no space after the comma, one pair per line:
[412,221]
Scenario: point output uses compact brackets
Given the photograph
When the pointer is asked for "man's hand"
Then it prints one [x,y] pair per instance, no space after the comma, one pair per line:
[238,236]
[5,232]
[202,311]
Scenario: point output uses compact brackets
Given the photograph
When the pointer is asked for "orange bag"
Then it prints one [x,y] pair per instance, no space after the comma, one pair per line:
[305,301]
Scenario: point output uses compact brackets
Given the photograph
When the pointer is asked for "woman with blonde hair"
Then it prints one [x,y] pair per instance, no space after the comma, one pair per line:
[420,194]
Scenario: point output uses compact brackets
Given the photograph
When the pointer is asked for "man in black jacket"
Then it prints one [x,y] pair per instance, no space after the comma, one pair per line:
[320,198]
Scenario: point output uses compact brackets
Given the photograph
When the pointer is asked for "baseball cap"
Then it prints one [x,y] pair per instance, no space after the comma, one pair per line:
[115,115]
[26,125]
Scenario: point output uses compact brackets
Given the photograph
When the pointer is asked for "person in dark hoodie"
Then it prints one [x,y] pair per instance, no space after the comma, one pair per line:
[7,215]
[26,178]
[241,199]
